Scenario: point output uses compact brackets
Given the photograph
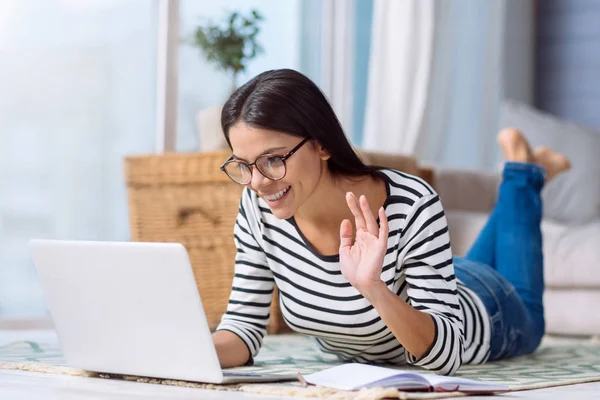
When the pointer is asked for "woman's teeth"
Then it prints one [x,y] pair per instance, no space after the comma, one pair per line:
[278,195]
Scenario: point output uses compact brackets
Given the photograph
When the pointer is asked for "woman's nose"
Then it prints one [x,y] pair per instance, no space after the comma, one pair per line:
[259,181]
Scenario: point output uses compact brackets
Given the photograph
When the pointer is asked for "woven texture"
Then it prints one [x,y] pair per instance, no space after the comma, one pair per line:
[185,198]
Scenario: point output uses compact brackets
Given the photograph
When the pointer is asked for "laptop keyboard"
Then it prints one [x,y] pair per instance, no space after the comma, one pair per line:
[235,373]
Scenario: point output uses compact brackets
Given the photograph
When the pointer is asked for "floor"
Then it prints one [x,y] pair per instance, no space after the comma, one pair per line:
[20,385]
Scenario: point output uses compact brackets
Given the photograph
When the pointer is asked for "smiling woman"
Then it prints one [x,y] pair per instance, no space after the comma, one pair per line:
[385,287]
[304,185]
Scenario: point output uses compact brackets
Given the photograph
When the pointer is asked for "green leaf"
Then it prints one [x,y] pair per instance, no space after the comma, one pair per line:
[232,44]
[233,17]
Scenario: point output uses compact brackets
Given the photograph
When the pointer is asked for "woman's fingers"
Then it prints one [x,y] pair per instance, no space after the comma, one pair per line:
[359,219]
[345,234]
[368,215]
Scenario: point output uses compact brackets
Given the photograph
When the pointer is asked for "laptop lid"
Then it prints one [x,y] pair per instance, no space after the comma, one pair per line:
[127,308]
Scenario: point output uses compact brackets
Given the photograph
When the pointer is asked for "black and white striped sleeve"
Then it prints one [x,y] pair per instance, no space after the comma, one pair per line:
[432,288]
[252,291]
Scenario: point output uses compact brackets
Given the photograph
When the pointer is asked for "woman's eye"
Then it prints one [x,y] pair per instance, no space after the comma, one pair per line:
[239,166]
[274,162]
[243,167]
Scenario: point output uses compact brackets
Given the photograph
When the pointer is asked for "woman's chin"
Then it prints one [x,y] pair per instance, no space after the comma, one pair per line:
[282,213]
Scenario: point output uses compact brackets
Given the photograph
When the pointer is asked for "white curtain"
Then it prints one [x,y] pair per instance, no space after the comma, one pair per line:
[466,89]
[484,53]
[439,72]
[337,57]
[399,73]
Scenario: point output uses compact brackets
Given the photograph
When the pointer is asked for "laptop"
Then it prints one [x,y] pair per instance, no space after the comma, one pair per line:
[131,308]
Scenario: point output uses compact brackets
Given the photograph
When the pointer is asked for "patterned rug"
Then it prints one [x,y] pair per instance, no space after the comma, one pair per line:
[556,363]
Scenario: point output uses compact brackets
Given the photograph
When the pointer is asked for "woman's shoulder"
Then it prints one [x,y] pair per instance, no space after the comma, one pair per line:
[252,203]
[406,185]
[249,198]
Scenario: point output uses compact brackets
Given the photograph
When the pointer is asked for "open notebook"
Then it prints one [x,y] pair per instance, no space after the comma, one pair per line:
[355,376]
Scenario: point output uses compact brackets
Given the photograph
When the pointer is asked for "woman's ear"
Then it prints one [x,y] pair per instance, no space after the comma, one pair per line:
[323,153]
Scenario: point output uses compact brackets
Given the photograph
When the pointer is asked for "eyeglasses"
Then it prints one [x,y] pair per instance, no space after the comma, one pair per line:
[269,165]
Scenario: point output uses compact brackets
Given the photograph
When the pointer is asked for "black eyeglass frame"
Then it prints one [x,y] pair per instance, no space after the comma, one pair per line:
[283,158]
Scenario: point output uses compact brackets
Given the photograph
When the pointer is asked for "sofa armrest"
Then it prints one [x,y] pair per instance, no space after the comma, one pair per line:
[465,190]
[398,162]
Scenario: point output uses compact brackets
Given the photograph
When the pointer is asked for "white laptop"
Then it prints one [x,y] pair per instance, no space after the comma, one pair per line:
[130,308]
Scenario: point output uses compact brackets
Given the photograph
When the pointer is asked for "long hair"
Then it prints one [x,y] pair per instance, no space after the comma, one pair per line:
[284,100]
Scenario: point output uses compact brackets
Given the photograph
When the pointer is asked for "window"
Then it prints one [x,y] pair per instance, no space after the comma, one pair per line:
[77,89]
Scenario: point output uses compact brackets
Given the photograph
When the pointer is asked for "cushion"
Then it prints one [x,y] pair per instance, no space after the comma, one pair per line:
[573,257]
[568,311]
[572,197]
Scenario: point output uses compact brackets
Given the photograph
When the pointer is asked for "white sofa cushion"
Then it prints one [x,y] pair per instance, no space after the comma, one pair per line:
[573,261]
[571,254]
[571,311]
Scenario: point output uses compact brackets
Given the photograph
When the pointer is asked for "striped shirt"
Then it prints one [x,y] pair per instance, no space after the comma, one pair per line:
[315,298]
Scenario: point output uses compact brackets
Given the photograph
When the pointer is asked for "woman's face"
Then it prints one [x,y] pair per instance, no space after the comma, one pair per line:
[303,168]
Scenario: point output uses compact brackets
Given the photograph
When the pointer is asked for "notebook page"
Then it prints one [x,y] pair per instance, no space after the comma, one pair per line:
[353,376]
[451,383]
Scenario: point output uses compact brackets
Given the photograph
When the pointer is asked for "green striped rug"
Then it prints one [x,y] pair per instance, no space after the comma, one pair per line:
[556,363]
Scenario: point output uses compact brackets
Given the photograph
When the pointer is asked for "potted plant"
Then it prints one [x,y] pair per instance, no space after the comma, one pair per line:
[231,45]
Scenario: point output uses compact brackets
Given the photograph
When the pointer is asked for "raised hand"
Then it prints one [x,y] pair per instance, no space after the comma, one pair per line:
[361,260]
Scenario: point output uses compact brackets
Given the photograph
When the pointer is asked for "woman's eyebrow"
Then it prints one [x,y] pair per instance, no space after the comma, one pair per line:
[268,151]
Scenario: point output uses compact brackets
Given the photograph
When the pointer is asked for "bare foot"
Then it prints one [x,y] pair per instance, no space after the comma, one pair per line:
[552,161]
[514,146]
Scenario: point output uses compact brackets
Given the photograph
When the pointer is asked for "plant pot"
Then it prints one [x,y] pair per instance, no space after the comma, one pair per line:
[208,123]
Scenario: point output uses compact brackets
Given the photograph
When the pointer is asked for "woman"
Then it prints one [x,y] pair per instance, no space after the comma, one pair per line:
[386,288]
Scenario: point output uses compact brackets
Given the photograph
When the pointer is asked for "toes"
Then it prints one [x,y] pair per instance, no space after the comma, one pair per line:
[554,162]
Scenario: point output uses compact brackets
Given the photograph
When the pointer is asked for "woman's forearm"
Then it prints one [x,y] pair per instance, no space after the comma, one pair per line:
[414,329]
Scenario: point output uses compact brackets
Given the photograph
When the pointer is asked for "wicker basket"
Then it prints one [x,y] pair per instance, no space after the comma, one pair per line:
[185,198]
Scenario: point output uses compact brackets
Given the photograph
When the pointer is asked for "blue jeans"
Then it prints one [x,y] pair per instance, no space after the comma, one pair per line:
[505,265]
